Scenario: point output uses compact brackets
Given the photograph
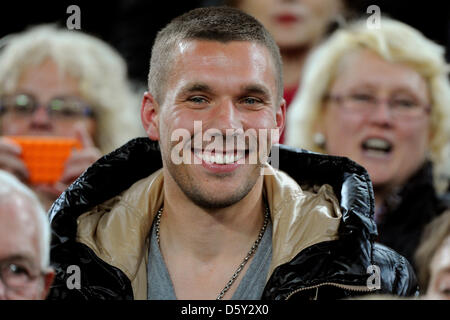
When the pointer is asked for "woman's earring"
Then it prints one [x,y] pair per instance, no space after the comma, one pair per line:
[319,139]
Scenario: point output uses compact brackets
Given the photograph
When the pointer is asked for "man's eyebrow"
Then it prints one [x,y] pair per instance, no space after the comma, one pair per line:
[256,89]
[245,90]
[17,258]
[195,87]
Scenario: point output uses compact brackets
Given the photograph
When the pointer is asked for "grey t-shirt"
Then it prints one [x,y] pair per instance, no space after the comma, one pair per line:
[251,287]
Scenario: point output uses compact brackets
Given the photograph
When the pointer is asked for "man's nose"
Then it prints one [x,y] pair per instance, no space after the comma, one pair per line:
[40,119]
[226,116]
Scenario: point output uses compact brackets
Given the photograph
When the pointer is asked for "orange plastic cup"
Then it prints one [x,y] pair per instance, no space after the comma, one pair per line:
[45,157]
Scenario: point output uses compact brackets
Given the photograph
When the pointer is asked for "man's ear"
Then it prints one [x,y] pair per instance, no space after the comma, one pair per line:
[48,280]
[150,116]
[280,117]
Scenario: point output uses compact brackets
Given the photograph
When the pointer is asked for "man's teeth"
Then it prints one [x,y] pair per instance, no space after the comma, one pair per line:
[220,158]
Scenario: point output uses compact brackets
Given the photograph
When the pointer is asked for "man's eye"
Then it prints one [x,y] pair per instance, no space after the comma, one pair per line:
[14,269]
[197,99]
[251,101]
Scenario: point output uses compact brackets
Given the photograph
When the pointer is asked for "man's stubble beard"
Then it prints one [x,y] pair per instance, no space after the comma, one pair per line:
[193,189]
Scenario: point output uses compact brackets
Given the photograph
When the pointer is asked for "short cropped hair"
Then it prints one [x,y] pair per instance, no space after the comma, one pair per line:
[433,237]
[220,24]
[100,70]
[10,188]
[394,41]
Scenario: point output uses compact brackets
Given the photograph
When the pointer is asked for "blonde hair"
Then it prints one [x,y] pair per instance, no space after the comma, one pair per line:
[395,42]
[11,189]
[101,72]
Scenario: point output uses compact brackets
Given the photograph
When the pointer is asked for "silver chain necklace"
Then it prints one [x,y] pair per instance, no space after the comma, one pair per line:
[243,263]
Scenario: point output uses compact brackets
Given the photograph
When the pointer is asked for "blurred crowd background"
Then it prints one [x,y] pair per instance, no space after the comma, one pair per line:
[130,26]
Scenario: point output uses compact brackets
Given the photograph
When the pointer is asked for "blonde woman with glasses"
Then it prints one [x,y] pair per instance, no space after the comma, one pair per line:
[382,98]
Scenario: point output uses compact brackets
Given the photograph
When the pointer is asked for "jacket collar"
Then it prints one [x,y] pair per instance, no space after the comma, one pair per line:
[353,253]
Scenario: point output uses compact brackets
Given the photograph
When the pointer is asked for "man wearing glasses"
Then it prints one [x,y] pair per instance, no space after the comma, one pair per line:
[25,273]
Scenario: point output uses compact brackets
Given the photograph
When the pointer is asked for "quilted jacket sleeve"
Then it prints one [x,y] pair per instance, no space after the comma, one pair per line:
[397,274]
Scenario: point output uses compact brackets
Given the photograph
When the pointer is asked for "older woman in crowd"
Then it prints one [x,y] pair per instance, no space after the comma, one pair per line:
[61,83]
[382,98]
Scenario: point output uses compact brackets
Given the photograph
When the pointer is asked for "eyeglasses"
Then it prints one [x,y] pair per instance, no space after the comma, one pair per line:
[17,276]
[23,104]
[401,108]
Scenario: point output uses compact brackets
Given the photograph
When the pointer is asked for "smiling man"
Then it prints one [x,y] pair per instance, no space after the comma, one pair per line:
[196,212]
[227,87]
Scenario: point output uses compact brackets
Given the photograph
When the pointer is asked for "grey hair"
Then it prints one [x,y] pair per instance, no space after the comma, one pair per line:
[100,70]
[11,187]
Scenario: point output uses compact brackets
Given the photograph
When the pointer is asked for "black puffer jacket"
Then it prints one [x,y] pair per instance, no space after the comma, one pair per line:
[409,211]
[327,270]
